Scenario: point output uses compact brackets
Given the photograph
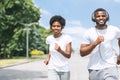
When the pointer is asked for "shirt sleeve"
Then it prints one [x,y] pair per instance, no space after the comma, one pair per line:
[86,39]
[118,33]
[69,39]
[47,40]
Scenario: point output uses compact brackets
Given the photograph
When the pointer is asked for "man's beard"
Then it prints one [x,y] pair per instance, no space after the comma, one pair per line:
[101,25]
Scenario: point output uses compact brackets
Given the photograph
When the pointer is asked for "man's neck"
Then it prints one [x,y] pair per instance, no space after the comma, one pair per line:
[101,27]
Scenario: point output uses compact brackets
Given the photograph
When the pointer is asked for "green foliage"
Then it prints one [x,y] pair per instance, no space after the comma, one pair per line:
[13,14]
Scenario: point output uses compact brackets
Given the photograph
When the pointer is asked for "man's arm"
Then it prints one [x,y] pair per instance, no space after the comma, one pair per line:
[118,60]
[86,49]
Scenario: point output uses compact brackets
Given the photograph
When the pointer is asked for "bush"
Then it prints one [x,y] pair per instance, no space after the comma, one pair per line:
[36,52]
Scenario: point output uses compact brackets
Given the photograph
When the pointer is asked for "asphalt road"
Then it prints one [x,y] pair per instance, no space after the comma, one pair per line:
[37,70]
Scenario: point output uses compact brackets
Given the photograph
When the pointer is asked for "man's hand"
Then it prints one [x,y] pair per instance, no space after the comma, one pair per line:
[99,39]
[118,60]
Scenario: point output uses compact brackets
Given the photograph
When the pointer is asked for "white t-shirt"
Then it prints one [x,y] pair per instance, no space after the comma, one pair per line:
[57,60]
[103,55]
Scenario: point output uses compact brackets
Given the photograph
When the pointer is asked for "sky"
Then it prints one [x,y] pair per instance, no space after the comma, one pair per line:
[77,14]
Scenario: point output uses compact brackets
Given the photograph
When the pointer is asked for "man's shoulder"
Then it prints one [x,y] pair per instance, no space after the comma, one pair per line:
[90,29]
[112,26]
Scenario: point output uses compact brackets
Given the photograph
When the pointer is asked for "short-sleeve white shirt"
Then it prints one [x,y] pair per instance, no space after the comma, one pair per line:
[57,60]
[103,55]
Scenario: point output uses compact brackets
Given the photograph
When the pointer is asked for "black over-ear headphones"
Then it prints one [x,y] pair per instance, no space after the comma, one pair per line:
[99,9]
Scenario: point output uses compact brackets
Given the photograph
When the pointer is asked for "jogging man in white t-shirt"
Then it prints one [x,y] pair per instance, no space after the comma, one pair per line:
[98,42]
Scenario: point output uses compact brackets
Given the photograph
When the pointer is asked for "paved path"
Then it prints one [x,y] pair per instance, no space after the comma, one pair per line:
[37,70]
[30,71]
[78,67]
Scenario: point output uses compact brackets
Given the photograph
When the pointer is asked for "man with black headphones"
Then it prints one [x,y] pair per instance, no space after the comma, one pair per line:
[97,42]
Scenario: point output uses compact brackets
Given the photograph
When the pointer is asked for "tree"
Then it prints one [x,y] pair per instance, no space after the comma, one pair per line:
[14,13]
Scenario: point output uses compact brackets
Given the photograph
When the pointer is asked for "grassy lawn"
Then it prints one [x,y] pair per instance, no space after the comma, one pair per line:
[17,60]
[7,62]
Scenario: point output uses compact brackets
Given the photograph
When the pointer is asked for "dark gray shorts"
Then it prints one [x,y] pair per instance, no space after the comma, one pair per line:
[104,74]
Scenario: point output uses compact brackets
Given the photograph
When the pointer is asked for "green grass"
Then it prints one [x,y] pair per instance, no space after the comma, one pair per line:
[38,56]
[7,62]
[17,60]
